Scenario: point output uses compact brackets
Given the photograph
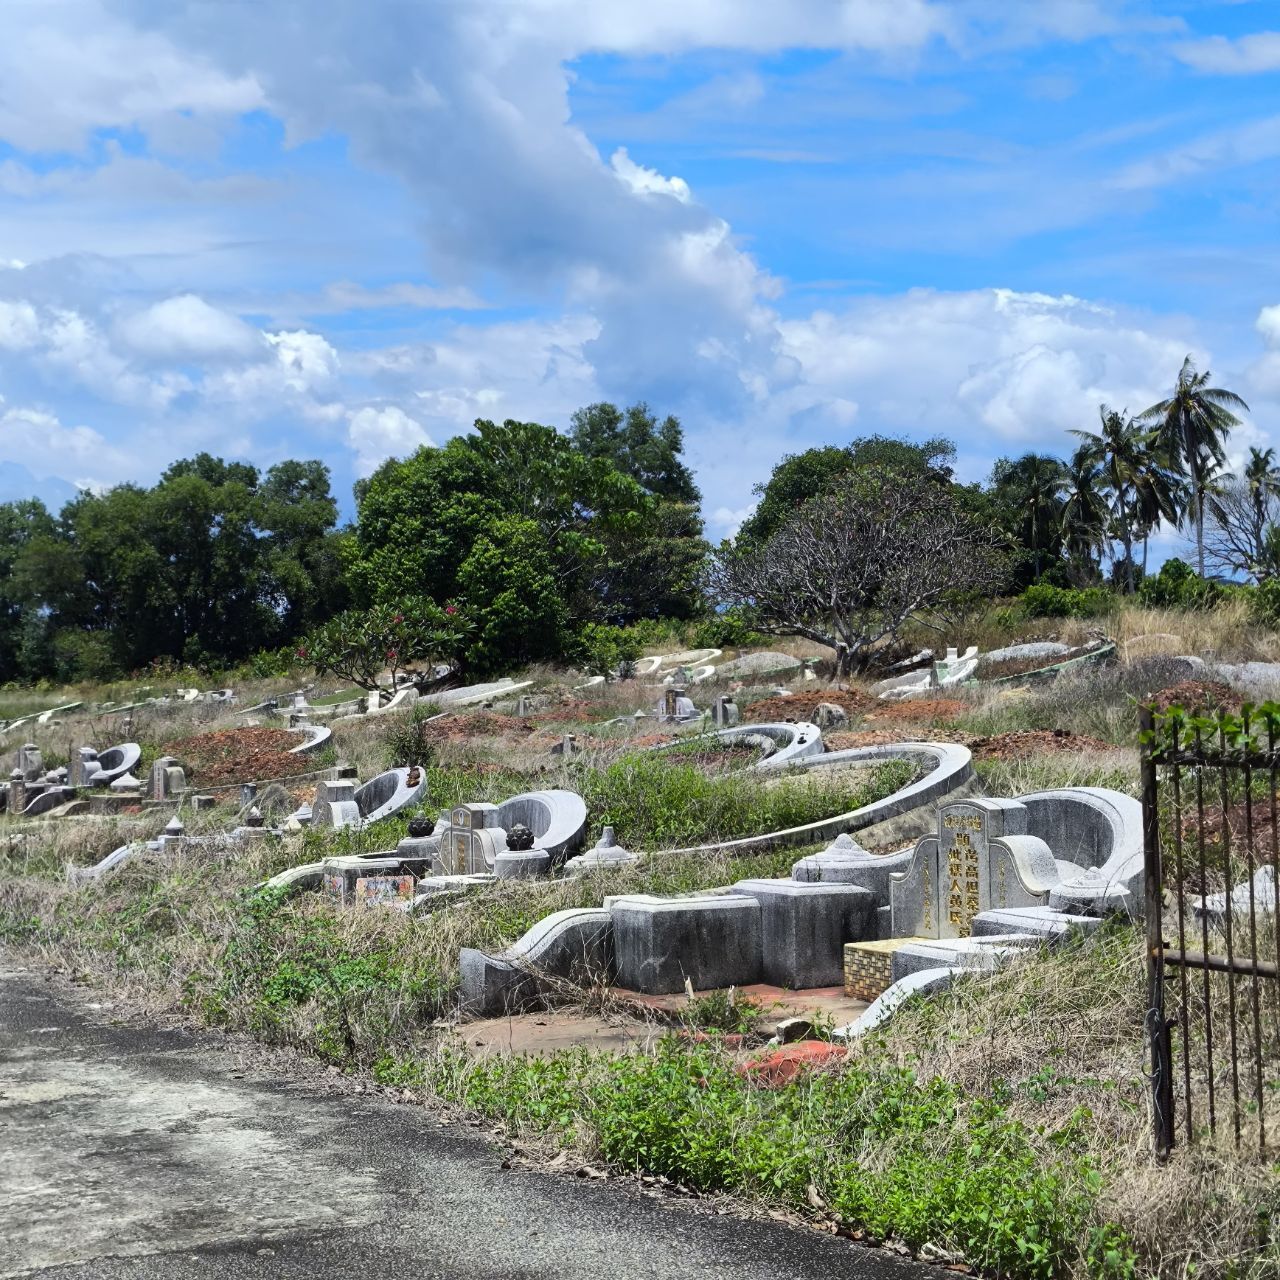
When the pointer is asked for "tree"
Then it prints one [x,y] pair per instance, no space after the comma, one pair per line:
[854,563]
[638,446]
[208,566]
[801,476]
[375,648]
[1262,479]
[1240,527]
[1084,514]
[1141,491]
[1192,426]
[1032,487]
[22,524]
[656,575]
[530,536]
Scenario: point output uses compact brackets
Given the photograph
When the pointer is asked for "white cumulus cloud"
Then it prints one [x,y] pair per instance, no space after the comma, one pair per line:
[377,434]
[188,328]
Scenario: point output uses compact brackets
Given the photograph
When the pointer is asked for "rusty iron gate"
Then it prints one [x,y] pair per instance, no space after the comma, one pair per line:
[1212,856]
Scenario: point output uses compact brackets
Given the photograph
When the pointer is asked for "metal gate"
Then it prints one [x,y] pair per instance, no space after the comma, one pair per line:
[1210,830]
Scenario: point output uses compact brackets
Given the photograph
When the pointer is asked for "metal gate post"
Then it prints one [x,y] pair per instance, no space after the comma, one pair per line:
[1157,1024]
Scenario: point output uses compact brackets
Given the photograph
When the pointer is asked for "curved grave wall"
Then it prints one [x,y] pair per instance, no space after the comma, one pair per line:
[390,793]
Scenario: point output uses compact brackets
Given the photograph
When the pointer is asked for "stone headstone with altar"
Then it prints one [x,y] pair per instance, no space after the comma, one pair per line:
[981,859]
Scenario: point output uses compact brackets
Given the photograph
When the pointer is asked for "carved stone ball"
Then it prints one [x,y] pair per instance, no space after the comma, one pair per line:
[519,838]
[419,825]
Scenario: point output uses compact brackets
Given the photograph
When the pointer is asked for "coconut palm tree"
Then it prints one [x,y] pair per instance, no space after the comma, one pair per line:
[1033,485]
[1084,510]
[1141,490]
[1192,426]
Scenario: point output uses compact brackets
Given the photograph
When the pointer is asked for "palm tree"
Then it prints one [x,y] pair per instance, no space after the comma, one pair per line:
[1135,475]
[1033,486]
[1084,509]
[1192,426]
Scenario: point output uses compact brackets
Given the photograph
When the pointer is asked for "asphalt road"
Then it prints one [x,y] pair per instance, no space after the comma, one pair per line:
[141,1152]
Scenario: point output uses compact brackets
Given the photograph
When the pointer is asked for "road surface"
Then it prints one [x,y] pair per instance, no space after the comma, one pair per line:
[140,1152]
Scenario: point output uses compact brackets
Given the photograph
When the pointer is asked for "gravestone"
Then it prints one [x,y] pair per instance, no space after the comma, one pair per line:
[29,762]
[724,711]
[167,779]
[472,840]
[981,860]
[84,766]
[335,804]
[676,705]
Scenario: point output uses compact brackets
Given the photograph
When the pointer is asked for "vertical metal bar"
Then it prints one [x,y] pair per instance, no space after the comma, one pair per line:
[1184,1017]
[1275,861]
[1250,869]
[1157,1024]
[1228,917]
[1204,936]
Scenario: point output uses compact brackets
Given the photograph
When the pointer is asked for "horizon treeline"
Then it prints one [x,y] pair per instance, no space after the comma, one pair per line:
[535,537]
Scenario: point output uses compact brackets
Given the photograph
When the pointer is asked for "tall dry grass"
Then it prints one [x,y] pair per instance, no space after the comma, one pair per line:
[1064,1033]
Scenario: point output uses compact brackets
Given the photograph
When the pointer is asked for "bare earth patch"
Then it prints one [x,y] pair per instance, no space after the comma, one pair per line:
[802,706]
[239,755]
[1198,695]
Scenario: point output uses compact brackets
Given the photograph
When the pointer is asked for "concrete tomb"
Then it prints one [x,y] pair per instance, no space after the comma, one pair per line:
[335,805]
[675,705]
[367,882]
[982,858]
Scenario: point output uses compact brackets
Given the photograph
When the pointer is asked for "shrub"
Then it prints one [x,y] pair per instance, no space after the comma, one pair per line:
[1041,600]
[408,739]
[727,630]
[1264,604]
[606,651]
[949,1168]
[1178,586]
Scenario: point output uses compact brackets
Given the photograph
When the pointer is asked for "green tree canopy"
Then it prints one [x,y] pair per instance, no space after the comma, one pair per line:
[802,476]
[639,446]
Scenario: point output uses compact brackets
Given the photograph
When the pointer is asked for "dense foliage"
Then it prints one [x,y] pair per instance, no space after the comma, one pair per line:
[213,563]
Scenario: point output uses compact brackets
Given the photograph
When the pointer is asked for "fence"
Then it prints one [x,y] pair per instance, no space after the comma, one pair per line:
[1210,828]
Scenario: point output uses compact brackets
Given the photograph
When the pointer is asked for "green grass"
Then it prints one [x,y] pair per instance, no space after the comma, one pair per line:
[652,803]
[881,1150]
[333,699]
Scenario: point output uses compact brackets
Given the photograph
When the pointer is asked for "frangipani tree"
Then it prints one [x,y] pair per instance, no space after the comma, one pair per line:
[375,648]
[853,564]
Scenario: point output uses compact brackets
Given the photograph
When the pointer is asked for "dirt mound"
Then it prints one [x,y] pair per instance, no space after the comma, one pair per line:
[239,755]
[1032,742]
[1001,746]
[802,706]
[930,709]
[479,724]
[1198,695]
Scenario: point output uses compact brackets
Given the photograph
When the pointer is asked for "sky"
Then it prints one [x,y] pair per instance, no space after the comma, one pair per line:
[320,228]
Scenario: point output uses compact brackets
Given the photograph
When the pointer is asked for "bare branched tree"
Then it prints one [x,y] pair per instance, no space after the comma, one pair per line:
[1239,529]
[852,565]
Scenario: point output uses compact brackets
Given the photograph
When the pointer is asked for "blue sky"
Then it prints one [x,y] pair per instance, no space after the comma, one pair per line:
[277,229]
